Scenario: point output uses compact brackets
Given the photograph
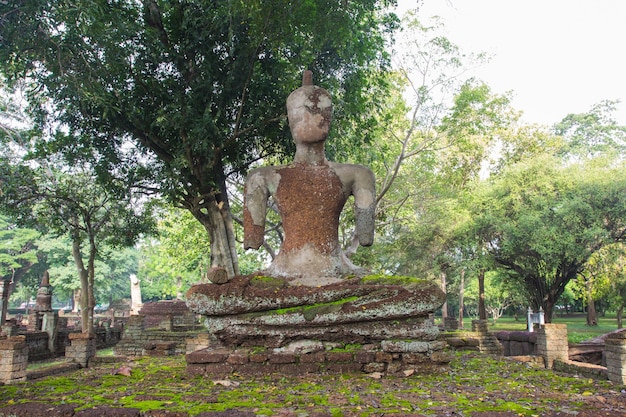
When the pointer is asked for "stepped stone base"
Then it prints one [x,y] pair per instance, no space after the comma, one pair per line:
[309,356]
[233,332]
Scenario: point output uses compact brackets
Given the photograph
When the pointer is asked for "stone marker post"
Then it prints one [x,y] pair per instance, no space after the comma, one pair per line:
[47,317]
[135,295]
[552,343]
[615,351]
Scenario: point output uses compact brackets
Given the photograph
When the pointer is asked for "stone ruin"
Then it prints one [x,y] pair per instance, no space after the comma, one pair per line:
[160,328]
[312,309]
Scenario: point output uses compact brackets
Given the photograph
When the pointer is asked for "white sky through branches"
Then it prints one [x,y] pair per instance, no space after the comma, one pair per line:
[557,56]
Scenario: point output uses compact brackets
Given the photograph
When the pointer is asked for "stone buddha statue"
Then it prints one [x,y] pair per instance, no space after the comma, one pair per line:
[311,290]
[310,194]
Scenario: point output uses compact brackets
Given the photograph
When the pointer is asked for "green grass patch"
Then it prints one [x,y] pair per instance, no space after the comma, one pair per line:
[577,328]
[34,366]
[315,308]
[105,352]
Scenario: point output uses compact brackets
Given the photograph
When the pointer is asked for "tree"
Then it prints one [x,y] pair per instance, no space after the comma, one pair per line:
[17,249]
[545,221]
[72,204]
[112,268]
[413,228]
[196,89]
[604,278]
[592,134]
[500,293]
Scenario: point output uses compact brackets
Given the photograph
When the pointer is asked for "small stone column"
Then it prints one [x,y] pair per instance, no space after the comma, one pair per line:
[82,348]
[450,324]
[481,326]
[615,351]
[552,343]
[13,359]
[44,294]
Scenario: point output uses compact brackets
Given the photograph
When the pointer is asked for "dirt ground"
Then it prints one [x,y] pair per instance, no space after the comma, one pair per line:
[474,385]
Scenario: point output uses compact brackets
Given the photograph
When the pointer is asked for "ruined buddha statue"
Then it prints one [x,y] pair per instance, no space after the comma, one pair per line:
[310,194]
[311,289]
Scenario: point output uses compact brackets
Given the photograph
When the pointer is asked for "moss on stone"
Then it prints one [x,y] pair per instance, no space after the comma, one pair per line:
[311,311]
[261,281]
[404,281]
[350,347]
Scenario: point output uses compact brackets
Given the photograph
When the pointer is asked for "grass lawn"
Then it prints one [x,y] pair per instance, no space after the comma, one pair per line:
[577,329]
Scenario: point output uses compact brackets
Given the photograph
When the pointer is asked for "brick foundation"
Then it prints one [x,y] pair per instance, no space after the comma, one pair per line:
[387,357]
[13,359]
[615,352]
[479,339]
[552,343]
[82,348]
[138,340]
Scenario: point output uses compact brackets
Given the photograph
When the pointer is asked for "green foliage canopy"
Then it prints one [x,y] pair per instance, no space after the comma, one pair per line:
[543,222]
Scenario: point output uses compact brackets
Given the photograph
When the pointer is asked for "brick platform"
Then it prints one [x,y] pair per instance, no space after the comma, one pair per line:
[385,357]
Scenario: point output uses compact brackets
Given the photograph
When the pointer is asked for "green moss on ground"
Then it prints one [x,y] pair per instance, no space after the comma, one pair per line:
[474,383]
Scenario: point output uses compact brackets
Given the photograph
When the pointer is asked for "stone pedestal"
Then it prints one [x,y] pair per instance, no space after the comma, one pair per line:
[615,351]
[82,348]
[552,343]
[9,328]
[450,324]
[480,326]
[13,359]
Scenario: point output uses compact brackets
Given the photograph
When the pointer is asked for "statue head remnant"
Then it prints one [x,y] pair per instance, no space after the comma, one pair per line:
[309,111]
[310,194]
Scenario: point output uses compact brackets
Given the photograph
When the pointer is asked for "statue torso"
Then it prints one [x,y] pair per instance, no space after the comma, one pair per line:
[310,200]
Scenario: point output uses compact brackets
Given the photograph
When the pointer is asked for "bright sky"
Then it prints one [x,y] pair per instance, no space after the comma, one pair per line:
[557,56]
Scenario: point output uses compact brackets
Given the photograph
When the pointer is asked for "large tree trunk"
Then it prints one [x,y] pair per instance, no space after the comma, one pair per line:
[620,313]
[592,315]
[482,312]
[213,212]
[91,275]
[84,284]
[222,237]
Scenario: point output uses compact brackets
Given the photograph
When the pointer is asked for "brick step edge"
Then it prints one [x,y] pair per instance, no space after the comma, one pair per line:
[223,362]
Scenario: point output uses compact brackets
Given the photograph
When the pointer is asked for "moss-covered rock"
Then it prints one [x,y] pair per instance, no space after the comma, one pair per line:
[265,282]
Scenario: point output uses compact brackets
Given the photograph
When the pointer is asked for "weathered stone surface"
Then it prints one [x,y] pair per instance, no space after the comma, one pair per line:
[366,332]
[364,311]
